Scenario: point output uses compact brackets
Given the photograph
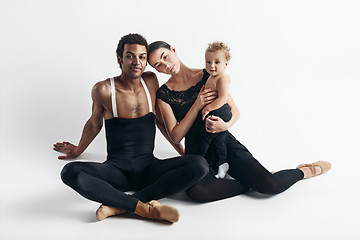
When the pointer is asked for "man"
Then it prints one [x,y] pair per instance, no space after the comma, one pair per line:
[125,103]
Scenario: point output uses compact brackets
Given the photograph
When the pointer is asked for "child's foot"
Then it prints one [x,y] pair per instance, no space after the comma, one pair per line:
[106,211]
[223,168]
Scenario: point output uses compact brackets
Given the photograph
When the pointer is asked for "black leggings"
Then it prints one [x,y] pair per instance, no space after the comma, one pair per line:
[218,139]
[105,183]
[247,172]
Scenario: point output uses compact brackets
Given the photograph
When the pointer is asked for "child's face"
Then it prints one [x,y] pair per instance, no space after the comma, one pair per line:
[215,62]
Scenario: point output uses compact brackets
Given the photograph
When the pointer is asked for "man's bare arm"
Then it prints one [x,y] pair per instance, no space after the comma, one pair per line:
[90,131]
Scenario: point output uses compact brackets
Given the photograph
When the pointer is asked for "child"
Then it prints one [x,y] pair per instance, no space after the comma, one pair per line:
[217,58]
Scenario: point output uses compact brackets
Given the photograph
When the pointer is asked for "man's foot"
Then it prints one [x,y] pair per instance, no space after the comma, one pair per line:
[106,211]
[314,169]
[153,203]
[154,210]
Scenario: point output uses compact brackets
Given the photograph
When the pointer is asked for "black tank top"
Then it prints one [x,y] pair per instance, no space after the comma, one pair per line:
[181,102]
[130,141]
[130,137]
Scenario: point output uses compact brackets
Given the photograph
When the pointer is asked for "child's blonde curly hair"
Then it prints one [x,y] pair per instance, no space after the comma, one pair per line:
[215,46]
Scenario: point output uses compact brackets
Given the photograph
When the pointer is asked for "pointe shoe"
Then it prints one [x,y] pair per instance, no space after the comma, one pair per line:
[106,211]
[154,210]
[325,166]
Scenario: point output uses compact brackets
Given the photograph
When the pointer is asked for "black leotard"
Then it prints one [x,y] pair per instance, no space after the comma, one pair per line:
[130,142]
[131,166]
[181,102]
[243,167]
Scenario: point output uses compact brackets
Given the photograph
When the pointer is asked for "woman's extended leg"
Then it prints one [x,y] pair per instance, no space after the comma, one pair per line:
[252,173]
[246,169]
[212,189]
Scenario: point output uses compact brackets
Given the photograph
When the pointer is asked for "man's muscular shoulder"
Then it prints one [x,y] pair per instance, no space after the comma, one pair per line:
[151,80]
[149,77]
[101,91]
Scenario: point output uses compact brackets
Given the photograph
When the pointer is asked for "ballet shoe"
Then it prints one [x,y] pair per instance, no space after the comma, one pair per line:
[154,210]
[153,203]
[106,211]
[325,166]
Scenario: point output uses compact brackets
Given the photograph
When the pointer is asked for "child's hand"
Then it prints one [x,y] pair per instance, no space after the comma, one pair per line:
[204,113]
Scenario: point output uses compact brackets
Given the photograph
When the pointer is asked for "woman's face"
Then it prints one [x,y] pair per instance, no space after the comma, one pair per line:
[165,61]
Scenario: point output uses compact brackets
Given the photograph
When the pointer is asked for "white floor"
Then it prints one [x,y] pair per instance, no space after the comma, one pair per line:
[35,204]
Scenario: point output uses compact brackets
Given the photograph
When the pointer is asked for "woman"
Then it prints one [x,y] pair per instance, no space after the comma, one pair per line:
[181,99]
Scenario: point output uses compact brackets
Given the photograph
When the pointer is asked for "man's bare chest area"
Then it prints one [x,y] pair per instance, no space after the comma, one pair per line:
[132,105]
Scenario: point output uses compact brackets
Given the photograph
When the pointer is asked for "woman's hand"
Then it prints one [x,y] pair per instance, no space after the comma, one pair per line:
[215,124]
[69,149]
[205,97]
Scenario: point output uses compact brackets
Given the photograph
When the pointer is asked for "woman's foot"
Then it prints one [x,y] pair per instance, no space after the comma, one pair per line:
[314,169]
[106,211]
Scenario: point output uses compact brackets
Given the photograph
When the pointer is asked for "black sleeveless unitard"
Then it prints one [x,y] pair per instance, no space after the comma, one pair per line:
[243,167]
[130,142]
[131,166]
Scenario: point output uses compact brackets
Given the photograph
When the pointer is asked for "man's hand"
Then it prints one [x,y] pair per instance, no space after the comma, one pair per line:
[69,149]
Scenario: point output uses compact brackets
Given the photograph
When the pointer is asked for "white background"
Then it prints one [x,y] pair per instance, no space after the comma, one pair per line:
[295,78]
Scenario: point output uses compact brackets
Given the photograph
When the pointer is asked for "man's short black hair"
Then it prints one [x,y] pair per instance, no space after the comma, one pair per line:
[131,38]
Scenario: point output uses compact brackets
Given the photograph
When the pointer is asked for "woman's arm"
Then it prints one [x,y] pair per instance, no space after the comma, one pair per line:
[161,126]
[177,131]
[215,124]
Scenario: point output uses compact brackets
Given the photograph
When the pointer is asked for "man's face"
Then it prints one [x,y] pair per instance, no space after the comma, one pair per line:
[133,62]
